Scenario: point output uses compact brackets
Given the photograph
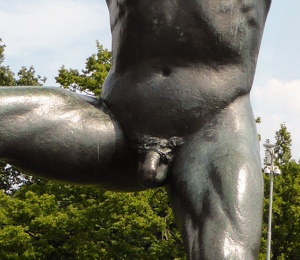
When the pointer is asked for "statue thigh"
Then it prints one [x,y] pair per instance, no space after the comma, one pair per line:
[216,192]
[66,138]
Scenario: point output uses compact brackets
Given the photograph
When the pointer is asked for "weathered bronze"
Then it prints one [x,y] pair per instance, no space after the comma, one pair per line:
[174,111]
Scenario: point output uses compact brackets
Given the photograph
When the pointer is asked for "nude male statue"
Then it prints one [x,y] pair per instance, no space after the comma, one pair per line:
[174,111]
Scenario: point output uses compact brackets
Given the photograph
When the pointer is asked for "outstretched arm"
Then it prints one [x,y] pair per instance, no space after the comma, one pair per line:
[55,134]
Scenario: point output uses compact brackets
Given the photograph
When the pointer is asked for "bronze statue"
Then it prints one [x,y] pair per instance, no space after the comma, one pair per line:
[174,111]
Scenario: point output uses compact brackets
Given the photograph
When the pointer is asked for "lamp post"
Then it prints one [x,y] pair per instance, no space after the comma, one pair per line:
[270,168]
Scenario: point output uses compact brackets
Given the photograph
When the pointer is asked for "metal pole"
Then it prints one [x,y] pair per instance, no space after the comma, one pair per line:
[271,154]
[270,215]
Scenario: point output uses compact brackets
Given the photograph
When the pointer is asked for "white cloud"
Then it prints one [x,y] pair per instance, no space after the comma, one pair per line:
[278,102]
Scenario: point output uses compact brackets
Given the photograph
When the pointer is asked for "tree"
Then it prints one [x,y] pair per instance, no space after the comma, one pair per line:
[284,142]
[51,221]
[26,77]
[2,47]
[6,75]
[286,203]
[91,79]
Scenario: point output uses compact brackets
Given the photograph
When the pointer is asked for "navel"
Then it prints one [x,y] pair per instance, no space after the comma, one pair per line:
[166,71]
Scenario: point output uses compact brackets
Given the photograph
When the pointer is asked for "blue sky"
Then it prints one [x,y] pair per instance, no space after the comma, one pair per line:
[276,89]
[50,33]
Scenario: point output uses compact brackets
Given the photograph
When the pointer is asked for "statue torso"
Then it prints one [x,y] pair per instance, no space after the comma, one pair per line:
[176,63]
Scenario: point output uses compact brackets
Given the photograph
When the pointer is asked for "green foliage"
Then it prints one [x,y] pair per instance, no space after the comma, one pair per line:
[286,204]
[86,223]
[92,77]
[286,227]
[2,47]
[27,78]
[6,75]
[258,120]
[284,141]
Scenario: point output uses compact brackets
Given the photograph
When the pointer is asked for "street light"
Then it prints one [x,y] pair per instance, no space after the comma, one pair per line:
[271,153]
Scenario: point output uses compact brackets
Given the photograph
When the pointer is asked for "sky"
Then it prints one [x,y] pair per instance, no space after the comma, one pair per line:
[50,33]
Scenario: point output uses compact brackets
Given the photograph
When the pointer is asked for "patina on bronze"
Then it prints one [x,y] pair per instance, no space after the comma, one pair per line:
[174,111]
